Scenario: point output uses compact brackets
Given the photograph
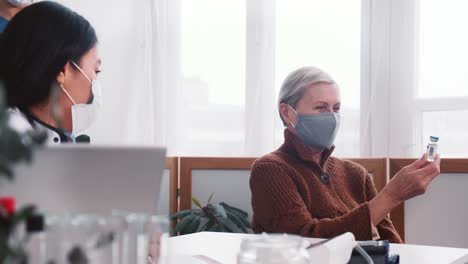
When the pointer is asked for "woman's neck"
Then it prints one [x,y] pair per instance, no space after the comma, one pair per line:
[43,113]
[317,155]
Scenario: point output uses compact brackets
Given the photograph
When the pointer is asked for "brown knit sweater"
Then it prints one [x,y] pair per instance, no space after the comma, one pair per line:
[289,197]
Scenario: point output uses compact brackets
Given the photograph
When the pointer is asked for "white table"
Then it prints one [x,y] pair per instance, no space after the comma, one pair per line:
[223,248]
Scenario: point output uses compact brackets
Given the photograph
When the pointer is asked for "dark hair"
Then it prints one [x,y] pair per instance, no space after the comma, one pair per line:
[36,45]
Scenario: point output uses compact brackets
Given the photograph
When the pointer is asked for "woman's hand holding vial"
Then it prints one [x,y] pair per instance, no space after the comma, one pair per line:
[414,179]
[410,181]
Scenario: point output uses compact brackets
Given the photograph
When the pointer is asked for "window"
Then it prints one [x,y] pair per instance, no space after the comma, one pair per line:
[451,127]
[443,53]
[325,34]
[202,77]
[442,83]
[213,66]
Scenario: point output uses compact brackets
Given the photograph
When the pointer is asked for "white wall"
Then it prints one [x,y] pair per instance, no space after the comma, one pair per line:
[230,186]
[440,216]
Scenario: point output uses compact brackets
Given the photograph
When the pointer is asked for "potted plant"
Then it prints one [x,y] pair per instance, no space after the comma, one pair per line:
[15,147]
[219,217]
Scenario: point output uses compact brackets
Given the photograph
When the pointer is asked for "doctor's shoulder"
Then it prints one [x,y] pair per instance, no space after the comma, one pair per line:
[21,123]
[18,120]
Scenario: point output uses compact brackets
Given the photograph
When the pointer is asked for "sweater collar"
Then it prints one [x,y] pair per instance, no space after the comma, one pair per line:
[294,145]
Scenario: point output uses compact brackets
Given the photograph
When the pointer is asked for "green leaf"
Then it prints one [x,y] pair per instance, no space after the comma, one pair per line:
[209,226]
[220,228]
[212,228]
[220,210]
[231,226]
[198,212]
[238,211]
[192,226]
[23,214]
[180,226]
[6,171]
[203,224]
[15,147]
[196,202]
[241,217]
[180,214]
[210,198]
[239,223]
[249,231]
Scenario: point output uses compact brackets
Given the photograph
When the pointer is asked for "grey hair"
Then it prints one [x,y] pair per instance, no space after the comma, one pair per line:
[295,83]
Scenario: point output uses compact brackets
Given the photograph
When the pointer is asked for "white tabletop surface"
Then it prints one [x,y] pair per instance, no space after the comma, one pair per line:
[213,248]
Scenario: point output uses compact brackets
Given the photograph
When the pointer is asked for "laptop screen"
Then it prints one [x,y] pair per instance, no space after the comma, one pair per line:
[90,179]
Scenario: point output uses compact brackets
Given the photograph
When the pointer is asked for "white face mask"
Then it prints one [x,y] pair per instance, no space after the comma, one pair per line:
[19,2]
[83,115]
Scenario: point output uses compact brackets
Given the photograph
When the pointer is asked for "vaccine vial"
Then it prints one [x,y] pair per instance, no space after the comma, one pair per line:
[432,148]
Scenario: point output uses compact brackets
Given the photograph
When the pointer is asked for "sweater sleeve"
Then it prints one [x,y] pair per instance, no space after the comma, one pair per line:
[386,229]
[279,208]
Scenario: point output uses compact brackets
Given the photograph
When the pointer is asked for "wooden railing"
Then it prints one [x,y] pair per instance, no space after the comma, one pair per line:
[172,164]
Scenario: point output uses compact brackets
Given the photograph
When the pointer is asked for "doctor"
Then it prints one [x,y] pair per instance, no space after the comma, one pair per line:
[8,9]
[50,68]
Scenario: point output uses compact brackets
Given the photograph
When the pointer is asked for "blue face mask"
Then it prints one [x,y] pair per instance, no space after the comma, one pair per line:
[317,130]
[19,2]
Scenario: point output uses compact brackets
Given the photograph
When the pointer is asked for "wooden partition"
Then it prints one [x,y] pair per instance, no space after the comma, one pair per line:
[172,164]
[446,166]
[187,164]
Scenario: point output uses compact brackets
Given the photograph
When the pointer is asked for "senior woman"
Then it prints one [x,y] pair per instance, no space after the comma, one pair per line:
[301,189]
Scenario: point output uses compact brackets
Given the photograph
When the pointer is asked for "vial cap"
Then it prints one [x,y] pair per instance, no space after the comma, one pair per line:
[434,139]
[8,204]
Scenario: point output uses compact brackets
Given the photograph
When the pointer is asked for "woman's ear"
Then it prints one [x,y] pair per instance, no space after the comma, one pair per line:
[62,76]
[284,111]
